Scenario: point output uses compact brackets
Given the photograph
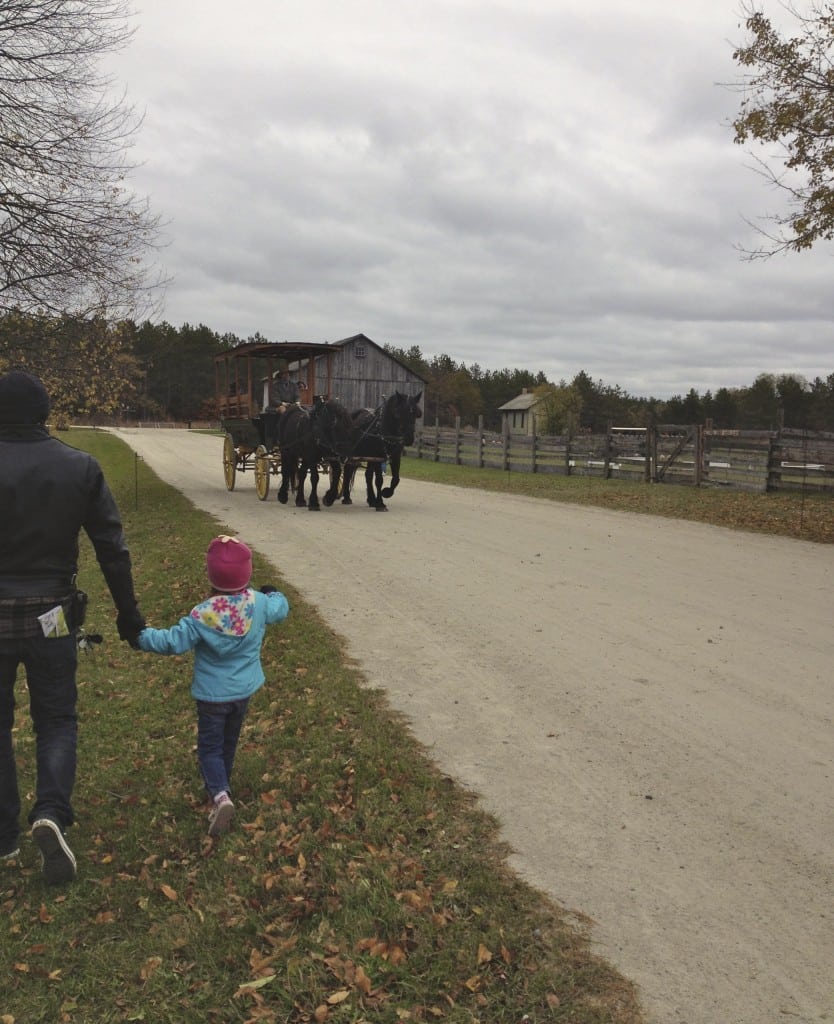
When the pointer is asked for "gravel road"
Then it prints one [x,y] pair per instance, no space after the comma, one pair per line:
[646,705]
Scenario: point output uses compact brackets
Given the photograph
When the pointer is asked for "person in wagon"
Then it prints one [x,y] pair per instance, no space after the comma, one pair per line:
[225,632]
[284,391]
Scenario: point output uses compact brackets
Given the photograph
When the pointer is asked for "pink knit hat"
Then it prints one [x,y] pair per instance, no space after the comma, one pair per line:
[229,564]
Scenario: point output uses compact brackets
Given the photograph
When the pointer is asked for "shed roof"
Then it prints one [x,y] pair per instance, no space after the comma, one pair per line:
[521,403]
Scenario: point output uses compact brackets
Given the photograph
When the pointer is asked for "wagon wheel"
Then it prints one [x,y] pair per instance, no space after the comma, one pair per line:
[262,472]
[229,461]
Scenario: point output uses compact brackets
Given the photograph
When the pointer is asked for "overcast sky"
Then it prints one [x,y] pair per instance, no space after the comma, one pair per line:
[538,184]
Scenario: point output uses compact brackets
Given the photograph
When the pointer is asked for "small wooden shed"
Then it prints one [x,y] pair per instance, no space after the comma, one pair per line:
[362,373]
[518,415]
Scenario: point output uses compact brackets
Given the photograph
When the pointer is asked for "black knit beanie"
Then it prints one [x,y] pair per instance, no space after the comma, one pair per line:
[23,398]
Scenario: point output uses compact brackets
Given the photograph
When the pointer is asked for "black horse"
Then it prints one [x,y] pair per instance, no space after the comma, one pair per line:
[323,434]
[380,436]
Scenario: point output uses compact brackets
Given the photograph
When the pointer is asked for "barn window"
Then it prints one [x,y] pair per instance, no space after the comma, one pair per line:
[359,351]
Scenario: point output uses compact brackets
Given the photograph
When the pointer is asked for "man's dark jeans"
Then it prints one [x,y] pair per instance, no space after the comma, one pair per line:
[50,665]
[218,730]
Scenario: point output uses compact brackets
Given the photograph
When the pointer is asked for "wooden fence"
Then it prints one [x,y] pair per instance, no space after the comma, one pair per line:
[753,460]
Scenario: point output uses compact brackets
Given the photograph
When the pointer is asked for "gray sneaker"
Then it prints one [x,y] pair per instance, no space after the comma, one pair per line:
[221,816]
[57,860]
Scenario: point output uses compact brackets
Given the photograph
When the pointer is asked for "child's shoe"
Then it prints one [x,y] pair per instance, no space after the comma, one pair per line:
[221,814]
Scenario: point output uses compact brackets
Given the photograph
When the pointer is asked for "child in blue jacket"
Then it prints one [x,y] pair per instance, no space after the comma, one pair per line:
[225,632]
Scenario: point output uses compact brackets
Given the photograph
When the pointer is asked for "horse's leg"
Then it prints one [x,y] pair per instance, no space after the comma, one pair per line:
[370,491]
[347,481]
[284,489]
[394,462]
[332,492]
[300,477]
[380,505]
[313,503]
[373,485]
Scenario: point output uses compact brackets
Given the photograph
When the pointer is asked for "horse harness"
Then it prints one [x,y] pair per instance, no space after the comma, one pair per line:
[389,441]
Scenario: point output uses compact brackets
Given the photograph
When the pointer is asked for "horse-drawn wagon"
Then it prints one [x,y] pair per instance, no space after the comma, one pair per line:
[255,383]
[278,418]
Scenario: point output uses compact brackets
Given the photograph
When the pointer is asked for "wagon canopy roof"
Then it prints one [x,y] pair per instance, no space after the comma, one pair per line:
[282,349]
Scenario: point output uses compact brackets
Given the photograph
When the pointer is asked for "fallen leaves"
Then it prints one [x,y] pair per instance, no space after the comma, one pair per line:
[149,968]
[252,986]
[340,836]
[38,972]
[390,951]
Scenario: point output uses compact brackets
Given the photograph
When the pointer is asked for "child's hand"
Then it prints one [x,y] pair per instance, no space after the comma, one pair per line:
[267,589]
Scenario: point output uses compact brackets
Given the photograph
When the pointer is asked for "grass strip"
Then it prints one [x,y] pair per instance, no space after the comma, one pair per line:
[358,884]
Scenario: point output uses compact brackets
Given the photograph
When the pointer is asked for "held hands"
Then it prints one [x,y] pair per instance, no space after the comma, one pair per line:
[130,625]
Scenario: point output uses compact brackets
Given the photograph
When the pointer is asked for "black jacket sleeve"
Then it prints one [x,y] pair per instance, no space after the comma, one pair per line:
[103,526]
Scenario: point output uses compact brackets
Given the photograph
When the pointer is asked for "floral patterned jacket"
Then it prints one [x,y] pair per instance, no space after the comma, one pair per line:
[226,633]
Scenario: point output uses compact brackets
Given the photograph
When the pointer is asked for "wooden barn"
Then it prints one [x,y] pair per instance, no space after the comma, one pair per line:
[362,374]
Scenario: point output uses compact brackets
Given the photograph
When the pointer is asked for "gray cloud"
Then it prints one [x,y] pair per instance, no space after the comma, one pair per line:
[544,185]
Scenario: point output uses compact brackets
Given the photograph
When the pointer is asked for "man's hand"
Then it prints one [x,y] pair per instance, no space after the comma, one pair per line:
[130,625]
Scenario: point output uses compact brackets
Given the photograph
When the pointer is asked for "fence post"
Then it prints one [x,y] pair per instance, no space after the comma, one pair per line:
[506,443]
[534,444]
[698,469]
[606,470]
[774,462]
[651,453]
[437,440]
[481,442]
[457,440]
[568,439]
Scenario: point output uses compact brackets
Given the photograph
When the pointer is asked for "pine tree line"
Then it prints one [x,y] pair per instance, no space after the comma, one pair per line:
[95,370]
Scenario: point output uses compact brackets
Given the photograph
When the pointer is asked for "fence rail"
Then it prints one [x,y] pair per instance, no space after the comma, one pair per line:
[756,460]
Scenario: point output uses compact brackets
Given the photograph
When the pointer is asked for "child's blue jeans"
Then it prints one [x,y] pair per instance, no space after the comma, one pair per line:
[218,731]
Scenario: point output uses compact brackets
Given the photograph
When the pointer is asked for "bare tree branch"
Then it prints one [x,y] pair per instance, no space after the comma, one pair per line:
[73,236]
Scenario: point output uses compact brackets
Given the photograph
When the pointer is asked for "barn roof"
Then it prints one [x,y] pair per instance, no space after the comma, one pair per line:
[393,358]
[292,351]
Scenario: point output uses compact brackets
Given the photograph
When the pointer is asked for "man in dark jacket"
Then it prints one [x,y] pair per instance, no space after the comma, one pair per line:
[49,492]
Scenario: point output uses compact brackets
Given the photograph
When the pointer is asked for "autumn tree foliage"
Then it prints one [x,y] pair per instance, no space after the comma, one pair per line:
[787,106]
[100,371]
[559,408]
[87,365]
[73,237]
